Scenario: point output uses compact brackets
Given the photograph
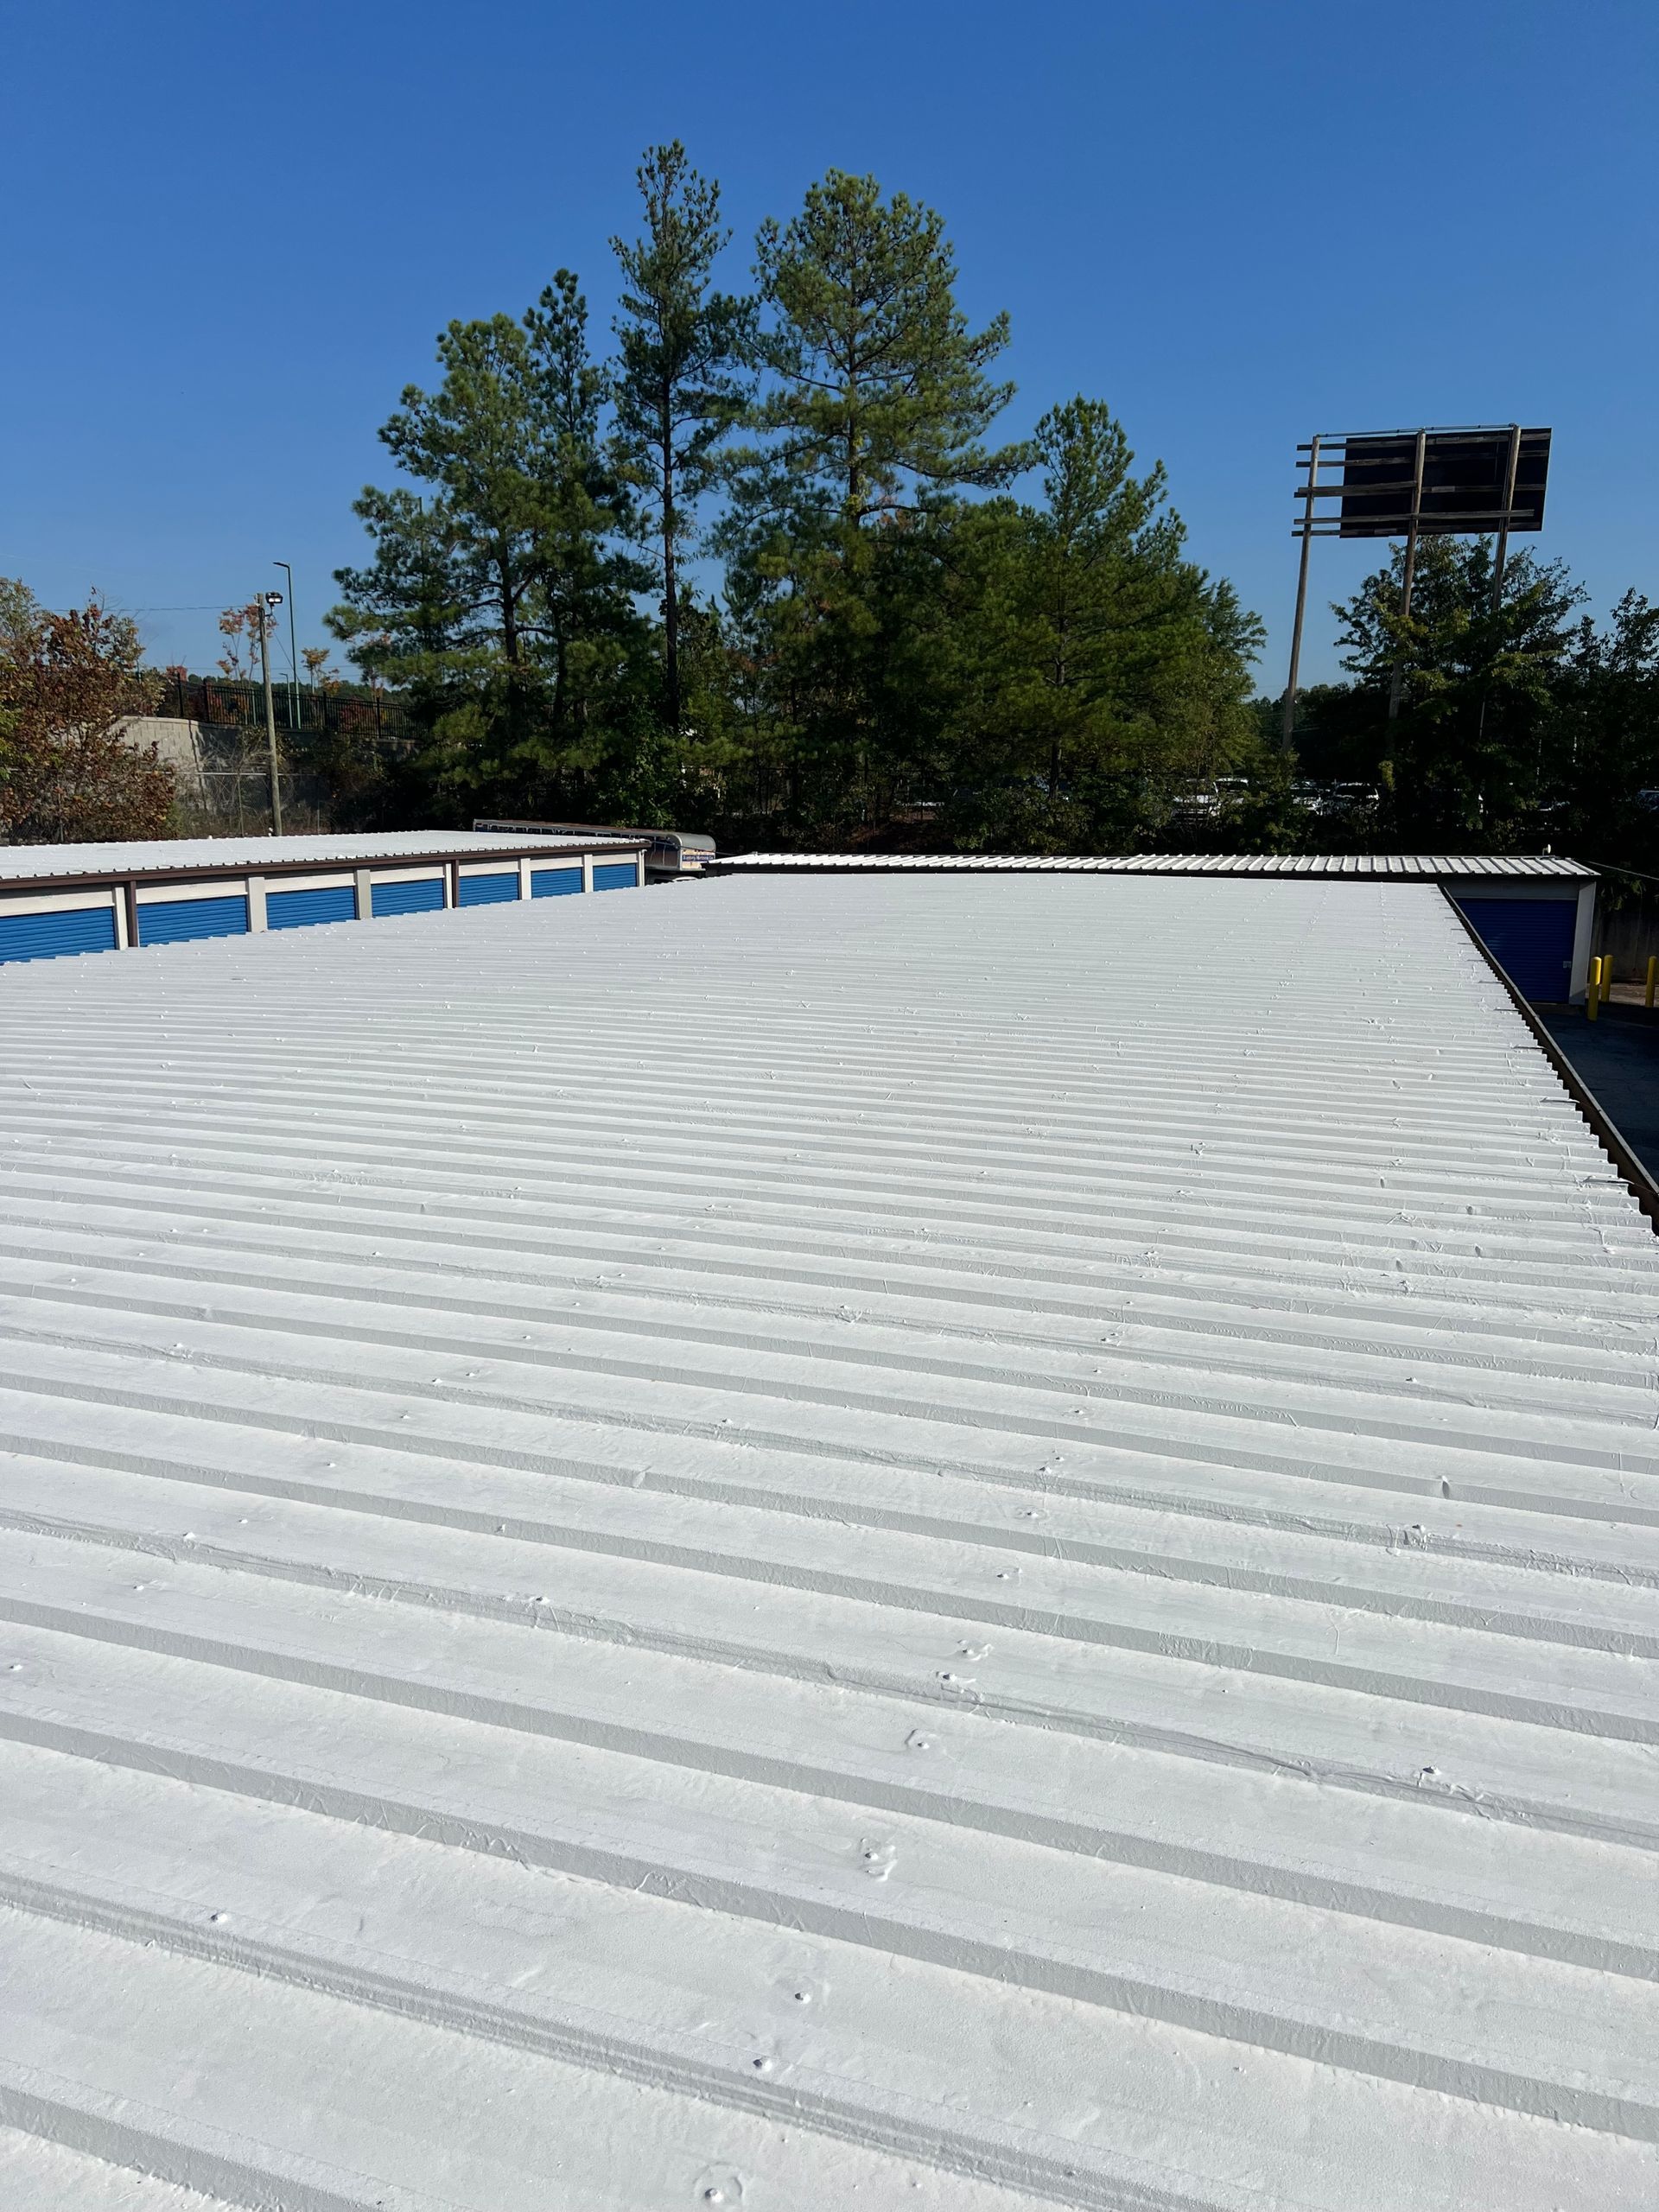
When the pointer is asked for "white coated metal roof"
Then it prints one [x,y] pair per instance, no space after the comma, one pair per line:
[912,1542]
[1406,867]
[170,854]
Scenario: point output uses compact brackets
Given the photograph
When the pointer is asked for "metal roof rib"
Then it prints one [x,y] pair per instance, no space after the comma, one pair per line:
[922,1541]
[1406,867]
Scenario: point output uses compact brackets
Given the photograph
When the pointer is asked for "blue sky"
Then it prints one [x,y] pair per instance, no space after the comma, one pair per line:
[233,233]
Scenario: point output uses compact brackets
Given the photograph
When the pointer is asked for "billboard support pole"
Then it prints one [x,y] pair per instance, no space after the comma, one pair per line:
[1289,727]
[1397,681]
[1508,509]
[1500,560]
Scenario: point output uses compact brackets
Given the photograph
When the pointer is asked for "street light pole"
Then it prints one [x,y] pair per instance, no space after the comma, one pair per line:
[293,651]
[268,605]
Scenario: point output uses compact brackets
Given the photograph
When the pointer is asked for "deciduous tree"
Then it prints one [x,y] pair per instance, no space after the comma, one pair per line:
[67,681]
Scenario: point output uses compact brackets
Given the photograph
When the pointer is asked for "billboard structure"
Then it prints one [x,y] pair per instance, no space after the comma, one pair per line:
[1414,484]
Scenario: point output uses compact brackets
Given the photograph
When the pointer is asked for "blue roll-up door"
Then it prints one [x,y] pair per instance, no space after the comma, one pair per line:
[47,937]
[419,897]
[488,890]
[297,909]
[554,882]
[614,875]
[169,921]
[1531,939]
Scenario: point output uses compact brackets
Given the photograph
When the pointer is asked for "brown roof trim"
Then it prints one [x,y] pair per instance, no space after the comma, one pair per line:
[221,872]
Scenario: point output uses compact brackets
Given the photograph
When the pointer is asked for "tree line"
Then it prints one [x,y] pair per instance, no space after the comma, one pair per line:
[1520,723]
[766,568]
[762,568]
[763,565]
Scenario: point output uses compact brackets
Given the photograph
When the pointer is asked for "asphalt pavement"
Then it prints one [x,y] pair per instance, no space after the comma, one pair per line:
[1617,1055]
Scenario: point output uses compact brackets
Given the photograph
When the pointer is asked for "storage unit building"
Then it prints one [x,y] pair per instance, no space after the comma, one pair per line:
[1535,913]
[67,898]
[950,1542]
[669,853]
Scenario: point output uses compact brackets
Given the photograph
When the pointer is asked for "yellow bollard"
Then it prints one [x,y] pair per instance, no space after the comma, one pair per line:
[1653,976]
[1593,990]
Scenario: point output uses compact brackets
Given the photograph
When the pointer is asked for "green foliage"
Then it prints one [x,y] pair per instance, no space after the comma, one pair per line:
[921,636]
[1104,672]
[901,647]
[682,380]
[1602,750]
[840,536]
[1521,724]
[1478,670]
[880,396]
[502,596]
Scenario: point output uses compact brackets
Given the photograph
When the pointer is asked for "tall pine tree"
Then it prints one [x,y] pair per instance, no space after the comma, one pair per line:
[682,378]
[499,593]
[1098,671]
[882,396]
[875,420]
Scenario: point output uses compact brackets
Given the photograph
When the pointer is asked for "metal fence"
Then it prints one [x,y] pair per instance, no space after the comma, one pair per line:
[322,710]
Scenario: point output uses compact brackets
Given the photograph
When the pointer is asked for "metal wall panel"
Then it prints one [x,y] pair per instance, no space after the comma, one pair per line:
[555,882]
[614,875]
[297,910]
[47,937]
[169,921]
[488,890]
[1531,939]
[424,895]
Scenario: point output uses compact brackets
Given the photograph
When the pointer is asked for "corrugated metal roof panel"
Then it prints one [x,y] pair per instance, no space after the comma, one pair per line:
[30,862]
[1415,867]
[937,1541]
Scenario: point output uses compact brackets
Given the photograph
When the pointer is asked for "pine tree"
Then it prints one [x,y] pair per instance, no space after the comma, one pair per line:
[682,380]
[480,440]
[1465,758]
[1099,672]
[501,592]
[873,424]
[585,579]
[882,396]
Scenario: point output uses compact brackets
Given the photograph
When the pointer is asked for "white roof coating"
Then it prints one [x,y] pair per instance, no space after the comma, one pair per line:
[334,849]
[917,1542]
[1418,867]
